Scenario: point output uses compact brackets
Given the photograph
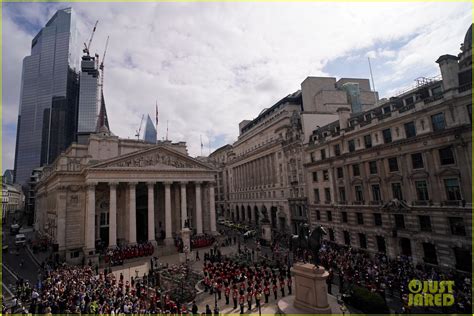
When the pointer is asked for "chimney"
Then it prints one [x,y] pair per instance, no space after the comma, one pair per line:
[449,67]
[344,115]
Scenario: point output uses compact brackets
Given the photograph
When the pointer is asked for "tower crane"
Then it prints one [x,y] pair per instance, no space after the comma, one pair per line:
[101,67]
[87,46]
[140,128]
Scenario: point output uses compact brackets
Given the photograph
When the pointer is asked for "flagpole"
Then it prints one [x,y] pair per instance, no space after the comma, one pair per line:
[201,144]
[156,120]
[166,129]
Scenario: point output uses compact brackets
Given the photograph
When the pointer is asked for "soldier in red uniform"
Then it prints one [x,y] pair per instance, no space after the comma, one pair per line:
[289,284]
[249,299]
[275,290]
[235,296]
[242,302]
[266,291]
[282,286]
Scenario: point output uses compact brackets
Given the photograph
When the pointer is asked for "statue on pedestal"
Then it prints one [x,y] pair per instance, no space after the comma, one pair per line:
[308,240]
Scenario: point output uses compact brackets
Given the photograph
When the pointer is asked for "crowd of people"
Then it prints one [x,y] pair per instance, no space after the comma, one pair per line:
[202,241]
[245,284]
[117,256]
[384,276]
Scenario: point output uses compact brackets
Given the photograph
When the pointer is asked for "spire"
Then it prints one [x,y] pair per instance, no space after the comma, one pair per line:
[150,131]
[102,120]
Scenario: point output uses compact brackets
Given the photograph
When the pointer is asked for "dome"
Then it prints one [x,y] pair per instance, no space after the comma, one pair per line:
[468,39]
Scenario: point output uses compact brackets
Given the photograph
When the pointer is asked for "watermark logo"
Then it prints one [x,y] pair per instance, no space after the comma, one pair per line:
[430,293]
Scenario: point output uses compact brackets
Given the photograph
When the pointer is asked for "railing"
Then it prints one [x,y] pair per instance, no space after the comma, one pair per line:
[342,202]
[327,202]
[465,87]
[406,108]
[421,203]
[433,98]
[375,202]
[358,203]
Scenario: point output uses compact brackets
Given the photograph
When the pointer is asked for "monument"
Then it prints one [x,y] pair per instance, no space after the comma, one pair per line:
[186,253]
[311,295]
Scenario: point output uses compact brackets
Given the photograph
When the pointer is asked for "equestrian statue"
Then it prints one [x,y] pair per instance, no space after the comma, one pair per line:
[308,240]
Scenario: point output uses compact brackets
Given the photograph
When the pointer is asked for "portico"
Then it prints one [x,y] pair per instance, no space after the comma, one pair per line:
[148,194]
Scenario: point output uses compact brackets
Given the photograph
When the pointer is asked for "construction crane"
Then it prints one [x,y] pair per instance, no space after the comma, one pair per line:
[101,67]
[87,46]
[140,128]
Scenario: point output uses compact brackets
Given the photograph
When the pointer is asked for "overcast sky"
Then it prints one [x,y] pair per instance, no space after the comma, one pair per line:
[212,65]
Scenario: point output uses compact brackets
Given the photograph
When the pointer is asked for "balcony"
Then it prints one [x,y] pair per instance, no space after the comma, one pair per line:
[457,203]
[422,203]
[358,203]
[465,87]
[327,202]
[342,202]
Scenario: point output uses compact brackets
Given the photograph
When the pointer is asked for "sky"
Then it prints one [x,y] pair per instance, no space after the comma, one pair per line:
[211,65]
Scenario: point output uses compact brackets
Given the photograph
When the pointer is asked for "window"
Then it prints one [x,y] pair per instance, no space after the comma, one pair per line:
[461,263]
[429,251]
[417,161]
[327,194]
[311,155]
[373,167]
[397,191]
[368,141]
[457,226]
[347,238]
[355,170]
[337,150]
[325,175]
[410,130]
[331,234]
[318,215]
[381,244]
[376,192]
[386,109]
[323,154]
[362,241]
[399,221]
[438,122]
[316,196]
[329,215]
[358,193]
[446,156]
[340,173]
[104,219]
[342,194]
[351,144]
[344,217]
[378,219]
[436,91]
[315,176]
[453,192]
[421,190]
[74,254]
[387,136]
[360,218]
[392,164]
[409,100]
[425,223]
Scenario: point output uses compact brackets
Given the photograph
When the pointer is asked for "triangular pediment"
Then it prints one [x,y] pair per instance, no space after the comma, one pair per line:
[159,157]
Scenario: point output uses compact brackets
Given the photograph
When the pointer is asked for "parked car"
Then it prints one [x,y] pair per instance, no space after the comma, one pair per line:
[14,229]
[20,239]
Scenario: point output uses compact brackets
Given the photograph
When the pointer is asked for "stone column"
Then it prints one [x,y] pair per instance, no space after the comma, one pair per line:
[212,207]
[151,211]
[198,208]
[184,208]
[168,228]
[113,214]
[89,229]
[132,228]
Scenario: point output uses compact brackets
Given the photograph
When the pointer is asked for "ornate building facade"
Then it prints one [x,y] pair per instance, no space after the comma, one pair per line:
[263,170]
[396,179]
[117,191]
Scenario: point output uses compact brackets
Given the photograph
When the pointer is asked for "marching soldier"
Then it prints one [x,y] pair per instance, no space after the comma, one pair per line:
[235,296]
[258,297]
[282,286]
[249,299]
[289,285]
[266,291]
[275,290]
[242,302]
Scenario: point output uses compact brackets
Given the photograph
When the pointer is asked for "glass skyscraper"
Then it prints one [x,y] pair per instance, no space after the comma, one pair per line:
[49,96]
[89,98]
[150,131]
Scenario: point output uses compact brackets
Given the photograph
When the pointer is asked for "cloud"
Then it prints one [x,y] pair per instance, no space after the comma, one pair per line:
[211,65]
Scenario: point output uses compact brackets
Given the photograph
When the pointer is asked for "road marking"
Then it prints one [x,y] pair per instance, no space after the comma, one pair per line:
[10,271]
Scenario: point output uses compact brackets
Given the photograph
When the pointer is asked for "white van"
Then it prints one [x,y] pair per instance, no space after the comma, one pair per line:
[20,239]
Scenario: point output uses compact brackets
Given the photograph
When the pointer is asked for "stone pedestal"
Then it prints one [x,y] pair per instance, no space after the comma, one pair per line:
[186,238]
[311,294]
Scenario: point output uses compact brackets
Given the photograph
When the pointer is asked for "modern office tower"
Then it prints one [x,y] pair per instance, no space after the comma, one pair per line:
[48,97]
[89,98]
[150,131]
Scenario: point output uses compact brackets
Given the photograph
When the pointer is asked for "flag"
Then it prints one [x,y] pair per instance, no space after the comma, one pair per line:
[156,116]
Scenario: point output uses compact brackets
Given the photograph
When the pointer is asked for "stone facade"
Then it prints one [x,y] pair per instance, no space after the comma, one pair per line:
[262,171]
[397,178]
[118,191]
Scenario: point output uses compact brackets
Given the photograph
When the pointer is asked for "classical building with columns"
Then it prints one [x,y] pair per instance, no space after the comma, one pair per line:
[397,178]
[263,169]
[120,191]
